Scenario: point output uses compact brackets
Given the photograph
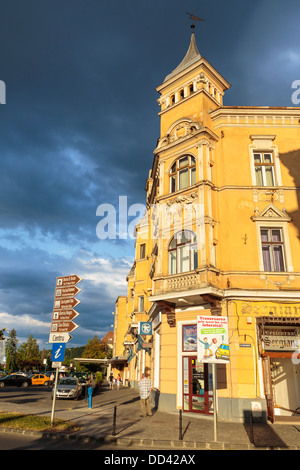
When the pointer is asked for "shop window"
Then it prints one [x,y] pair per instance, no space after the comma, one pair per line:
[272,249]
[183,173]
[183,256]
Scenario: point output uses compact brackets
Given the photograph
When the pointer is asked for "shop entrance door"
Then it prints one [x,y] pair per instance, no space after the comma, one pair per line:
[197,386]
[268,388]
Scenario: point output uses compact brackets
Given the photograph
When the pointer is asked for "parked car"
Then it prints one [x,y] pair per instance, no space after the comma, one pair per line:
[15,379]
[68,387]
[79,375]
[40,379]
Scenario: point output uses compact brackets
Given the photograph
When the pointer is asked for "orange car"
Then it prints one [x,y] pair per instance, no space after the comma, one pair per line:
[40,379]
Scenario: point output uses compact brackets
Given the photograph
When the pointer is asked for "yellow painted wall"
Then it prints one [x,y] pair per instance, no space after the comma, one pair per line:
[229,200]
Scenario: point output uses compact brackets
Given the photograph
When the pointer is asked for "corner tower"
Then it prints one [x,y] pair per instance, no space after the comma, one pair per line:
[193,89]
[182,172]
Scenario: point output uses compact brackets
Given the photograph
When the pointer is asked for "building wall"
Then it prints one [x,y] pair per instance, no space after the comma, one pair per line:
[230,209]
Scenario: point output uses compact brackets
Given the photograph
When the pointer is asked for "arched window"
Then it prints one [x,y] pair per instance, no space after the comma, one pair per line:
[183,173]
[182,252]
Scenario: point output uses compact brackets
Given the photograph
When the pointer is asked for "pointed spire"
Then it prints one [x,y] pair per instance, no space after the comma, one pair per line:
[190,57]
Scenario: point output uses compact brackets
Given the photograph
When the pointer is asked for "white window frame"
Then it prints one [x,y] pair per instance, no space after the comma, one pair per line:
[286,244]
[186,248]
[141,303]
[265,144]
[190,167]
[262,165]
[271,246]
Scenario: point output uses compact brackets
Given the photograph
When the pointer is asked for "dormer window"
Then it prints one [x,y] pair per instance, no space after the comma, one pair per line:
[183,173]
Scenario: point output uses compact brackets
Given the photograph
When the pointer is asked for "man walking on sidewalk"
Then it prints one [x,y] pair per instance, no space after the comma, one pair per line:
[145,386]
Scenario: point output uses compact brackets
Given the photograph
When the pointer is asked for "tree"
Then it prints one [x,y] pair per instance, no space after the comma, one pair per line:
[29,353]
[95,349]
[12,351]
[2,334]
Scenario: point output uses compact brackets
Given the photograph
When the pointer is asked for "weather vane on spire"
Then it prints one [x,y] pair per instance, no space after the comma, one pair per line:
[193,17]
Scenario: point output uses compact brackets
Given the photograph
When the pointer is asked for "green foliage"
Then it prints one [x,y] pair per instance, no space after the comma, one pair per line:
[12,351]
[95,349]
[98,377]
[28,356]
[2,334]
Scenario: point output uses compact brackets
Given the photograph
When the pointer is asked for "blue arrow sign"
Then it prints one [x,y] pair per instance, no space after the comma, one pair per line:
[58,352]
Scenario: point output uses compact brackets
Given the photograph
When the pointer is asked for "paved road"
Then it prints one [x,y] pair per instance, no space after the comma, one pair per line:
[161,431]
[35,395]
[27,442]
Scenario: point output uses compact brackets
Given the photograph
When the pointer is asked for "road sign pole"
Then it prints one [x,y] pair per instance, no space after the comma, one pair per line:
[214,371]
[54,397]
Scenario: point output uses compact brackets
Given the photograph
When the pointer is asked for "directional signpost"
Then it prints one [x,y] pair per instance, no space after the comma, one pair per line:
[62,322]
[63,312]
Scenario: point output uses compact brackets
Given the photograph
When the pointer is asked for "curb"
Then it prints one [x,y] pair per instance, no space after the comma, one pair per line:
[152,443]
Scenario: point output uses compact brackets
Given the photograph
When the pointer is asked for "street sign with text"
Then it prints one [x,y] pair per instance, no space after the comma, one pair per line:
[63,310]
[70,291]
[63,326]
[64,315]
[59,337]
[65,281]
[70,302]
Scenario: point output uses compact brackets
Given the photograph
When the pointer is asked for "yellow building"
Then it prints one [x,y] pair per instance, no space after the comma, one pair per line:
[220,237]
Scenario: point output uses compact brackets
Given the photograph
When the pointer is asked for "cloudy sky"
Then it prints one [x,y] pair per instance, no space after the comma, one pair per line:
[80,125]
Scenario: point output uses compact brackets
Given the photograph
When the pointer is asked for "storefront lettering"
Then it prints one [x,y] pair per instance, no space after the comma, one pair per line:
[248,308]
[276,343]
[276,338]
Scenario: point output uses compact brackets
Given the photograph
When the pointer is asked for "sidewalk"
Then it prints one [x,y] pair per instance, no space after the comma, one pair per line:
[161,431]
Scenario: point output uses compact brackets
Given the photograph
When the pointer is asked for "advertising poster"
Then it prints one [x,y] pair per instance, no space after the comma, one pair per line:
[212,339]
[189,338]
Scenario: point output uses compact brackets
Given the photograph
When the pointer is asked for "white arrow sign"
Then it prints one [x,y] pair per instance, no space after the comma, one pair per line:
[59,337]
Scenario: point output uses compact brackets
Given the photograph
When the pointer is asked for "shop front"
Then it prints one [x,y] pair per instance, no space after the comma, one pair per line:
[197,386]
[279,342]
[197,389]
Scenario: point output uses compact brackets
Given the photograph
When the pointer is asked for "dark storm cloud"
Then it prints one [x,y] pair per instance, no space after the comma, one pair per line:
[71,89]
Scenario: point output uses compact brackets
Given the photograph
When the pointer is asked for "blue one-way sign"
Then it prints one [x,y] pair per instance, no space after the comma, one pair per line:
[58,352]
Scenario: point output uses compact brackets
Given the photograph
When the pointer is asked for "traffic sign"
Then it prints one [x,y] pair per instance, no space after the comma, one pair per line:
[58,352]
[59,337]
[63,310]
[70,291]
[56,365]
[63,326]
[64,315]
[70,302]
[64,281]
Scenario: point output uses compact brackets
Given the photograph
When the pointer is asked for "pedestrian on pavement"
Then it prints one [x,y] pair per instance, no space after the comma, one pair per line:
[145,386]
[118,381]
[111,381]
[51,379]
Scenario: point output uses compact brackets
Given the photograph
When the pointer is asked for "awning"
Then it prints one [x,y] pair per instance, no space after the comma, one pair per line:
[118,360]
